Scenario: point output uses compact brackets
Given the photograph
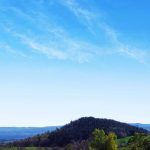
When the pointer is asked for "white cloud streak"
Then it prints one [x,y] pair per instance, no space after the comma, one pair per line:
[56,42]
[6,47]
[90,20]
[63,48]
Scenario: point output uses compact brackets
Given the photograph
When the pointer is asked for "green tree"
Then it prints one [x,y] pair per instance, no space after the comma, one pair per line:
[111,143]
[100,141]
[146,144]
[137,142]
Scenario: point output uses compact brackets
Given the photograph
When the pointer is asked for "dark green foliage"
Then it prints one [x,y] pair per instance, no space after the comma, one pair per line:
[139,141]
[83,145]
[146,144]
[78,131]
[123,141]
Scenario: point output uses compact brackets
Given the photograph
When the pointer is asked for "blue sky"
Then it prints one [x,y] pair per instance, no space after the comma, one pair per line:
[65,59]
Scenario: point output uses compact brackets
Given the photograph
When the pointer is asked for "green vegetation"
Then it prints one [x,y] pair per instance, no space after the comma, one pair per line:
[77,131]
[139,141]
[87,134]
[101,141]
[15,148]
[27,148]
[123,141]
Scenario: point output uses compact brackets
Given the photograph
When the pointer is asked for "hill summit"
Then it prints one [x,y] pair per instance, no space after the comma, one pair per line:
[79,130]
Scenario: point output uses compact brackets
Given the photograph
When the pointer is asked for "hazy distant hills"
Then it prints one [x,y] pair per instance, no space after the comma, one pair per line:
[15,133]
[144,126]
[79,130]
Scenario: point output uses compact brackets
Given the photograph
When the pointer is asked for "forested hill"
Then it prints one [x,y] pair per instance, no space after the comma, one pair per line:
[79,130]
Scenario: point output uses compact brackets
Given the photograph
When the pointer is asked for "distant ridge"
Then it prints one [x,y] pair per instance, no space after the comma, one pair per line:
[79,130]
[140,125]
[8,134]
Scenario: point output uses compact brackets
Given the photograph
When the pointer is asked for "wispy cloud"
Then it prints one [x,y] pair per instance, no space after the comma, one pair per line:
[85,16]
[63,47]
[55,41]
[122,48]
[7,48]
[92,20]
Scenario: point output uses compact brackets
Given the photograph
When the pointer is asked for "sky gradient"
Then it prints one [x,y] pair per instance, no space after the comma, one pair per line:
[65,59]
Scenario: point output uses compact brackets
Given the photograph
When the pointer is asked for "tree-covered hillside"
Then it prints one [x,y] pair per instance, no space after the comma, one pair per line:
[80,130]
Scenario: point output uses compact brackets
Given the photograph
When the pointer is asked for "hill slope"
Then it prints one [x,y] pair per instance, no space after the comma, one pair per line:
[78,130]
